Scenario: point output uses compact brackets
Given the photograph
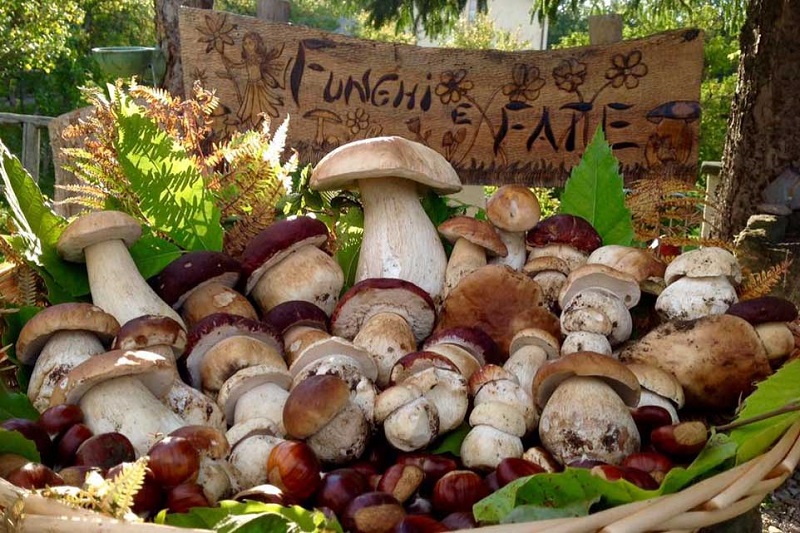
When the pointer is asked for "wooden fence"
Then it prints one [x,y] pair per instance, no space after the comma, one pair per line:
[31,138]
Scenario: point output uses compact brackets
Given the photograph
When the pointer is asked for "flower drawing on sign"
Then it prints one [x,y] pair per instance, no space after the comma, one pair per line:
[569,75]
[216,33]
[626,70]
[357,121]
[453,86]
[525,84]
[451,141]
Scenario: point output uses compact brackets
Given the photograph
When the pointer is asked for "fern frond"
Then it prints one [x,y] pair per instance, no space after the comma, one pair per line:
[762,283]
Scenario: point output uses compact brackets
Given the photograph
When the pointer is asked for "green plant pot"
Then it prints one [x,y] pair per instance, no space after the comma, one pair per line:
[145,62]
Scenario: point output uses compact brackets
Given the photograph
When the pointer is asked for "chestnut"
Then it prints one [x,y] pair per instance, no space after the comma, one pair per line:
[654,463]
[174,461]
[262,493]
[419,524]
[67,443]
[373,512]
[491,481]
[105,450]
[460,520]
[182,498]
[10,462]
[649,417]
[512,468]
[684,439]
[34,432]
[339,487]
[419,505]
[34,476]
[434,466]
[401,481]
[149,498]
[57,419]
[458,491]
[294,468]
[587,464]
[207,440]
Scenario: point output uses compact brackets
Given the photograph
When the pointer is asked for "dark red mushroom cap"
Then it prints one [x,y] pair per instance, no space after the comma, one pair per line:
[474,340]
[296,313]
[764,309]
[276,242]
[217,327]
[176,282]
[565,229]
[372,296]
[150,330]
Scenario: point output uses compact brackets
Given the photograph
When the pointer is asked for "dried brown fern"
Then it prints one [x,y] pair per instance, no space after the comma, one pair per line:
[19,282]
[762,283]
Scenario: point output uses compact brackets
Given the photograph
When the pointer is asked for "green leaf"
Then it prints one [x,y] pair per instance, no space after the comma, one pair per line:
[775,392]
[594,191]
[349,234]
[172,192]
[152,254]
[38,229]
[13,325]
[717,453]
[16,405]
[14,442]
[451,443]
[531,513]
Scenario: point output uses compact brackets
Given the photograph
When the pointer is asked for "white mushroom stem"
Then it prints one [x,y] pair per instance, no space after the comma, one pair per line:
[126,406]
[524,363]
[217,479]
[551,282]
[517,252]
[117,286]
[465,258]
[777,339]
[412,426]
[496,434]
[387,337]
[399,241]
[249,459]
[64,351]
[691,298]
[264,401]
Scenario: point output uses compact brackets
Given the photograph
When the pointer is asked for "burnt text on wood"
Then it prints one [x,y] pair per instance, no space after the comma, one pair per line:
[498,117]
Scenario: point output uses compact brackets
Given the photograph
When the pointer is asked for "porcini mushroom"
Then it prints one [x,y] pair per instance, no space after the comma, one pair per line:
[568,237]
[659,388]
[513,210]
[399,239]
[301,323]
[472,240]
[769,315]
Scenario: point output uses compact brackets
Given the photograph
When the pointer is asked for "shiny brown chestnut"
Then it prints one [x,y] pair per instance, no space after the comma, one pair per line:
[512,468]
[649,417]
[294,468]
[460,520]
[434,466]
[174,461]
[75,476]
[373,512]
[419,524]
[654,463]
[150,497]
[339,487]
[59,418]
[67,443]
[34,432]
[684,439]
[182,498]
[208,441]
[105,451]
[458,491]
[491,481]
[401,481]
[10,462]
[34,476]
[641,479]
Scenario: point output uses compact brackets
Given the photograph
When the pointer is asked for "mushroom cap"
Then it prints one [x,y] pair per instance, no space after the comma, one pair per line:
[372,296]
[690,298]
[586,364]
[546,263]
[704,262]
[212,298]
[415,362]
[96,227]
[63,317]
[478,232]
[487,374]
[716,359]
[590,276]
[150,330]
[287,315]
[334,346]
[499,301]
[246,380]
[191,271]
[565,229]
[764,309]
[571,256]
[313,403]
[276,242]
[513,208]
[385,157]
[323,114]
[154,371]
[536,337]
[234,353]
[215,328]
[593,309]
[640,263]
[658,381]
[393,398]
[473,340]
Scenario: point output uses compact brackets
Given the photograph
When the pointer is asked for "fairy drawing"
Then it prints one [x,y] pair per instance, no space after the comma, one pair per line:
[260,94]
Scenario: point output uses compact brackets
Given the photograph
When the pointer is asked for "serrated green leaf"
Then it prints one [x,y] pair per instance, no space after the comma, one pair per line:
[254,523]
[152,254]
[775,392]
[594,191]
[172,193]
[451,442]
[14,442]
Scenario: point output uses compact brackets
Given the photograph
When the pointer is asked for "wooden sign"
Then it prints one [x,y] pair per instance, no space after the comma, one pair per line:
[498,117]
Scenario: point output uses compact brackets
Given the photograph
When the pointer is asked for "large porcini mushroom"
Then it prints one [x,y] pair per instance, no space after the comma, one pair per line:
[697,351]
[59,338]
[399,239]
[513,210]
[568,237]
[119,391]
[102,239]
[472,241]
[257,391]
[301,323]
[659,388]
[285,262]
[585,399]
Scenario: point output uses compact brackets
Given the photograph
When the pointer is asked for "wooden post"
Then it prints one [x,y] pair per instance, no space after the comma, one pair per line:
[273,10]
[711,170]
[169,39]
[30,149]
[605,29]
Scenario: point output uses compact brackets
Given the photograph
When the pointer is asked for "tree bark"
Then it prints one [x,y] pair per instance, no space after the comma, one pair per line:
[169,39]
[764,128]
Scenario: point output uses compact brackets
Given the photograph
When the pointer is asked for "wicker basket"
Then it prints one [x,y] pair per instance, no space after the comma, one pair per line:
[712,501]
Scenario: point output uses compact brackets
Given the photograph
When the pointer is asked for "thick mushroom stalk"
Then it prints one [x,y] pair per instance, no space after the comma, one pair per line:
[472,241]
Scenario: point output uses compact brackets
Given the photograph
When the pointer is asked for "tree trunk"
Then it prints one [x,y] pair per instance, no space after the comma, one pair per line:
[169,39]
[764,129]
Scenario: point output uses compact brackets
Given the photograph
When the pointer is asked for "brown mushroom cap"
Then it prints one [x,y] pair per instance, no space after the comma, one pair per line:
[333,346]
[383,295]
[500,302]
[153,370]
[586,364]
[476,231]
[546,263]
[313,403]
[385,157]
[764,309]
[414,362]
[191,271]
[658,381]
[640,263]
[96,227]
[246,380]
[540,338]
[287,315]
[473,340]
[513,208]
[151,330]
[278,241]
[230,355]
[63,317]
[716,359]
[565,229]
[593,276]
